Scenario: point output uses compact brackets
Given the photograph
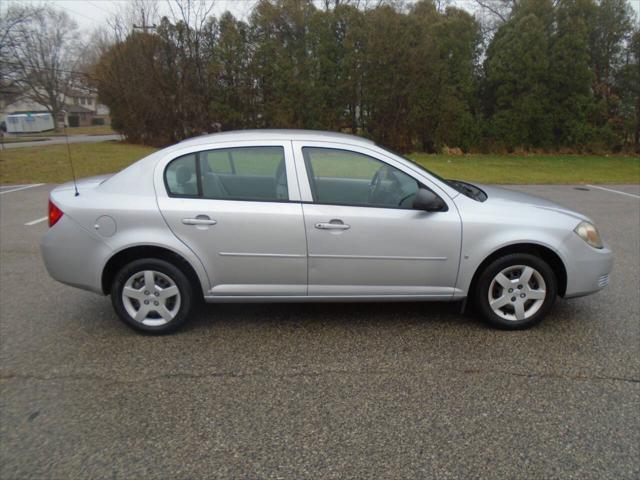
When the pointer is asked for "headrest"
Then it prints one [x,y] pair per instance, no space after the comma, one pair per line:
[183,174]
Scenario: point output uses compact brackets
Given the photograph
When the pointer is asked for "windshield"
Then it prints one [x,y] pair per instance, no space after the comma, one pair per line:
[465,188]
[424,169]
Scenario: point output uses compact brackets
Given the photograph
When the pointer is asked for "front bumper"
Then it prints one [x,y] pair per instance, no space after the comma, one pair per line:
[588,269]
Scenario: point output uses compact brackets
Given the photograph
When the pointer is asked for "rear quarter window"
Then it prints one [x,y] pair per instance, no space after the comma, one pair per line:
[180,176]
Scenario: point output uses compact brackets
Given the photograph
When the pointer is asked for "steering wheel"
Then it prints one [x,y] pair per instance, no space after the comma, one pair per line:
[375,187]
[406,197]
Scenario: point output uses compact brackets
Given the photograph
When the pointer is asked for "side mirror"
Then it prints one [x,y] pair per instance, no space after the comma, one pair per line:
[428,201]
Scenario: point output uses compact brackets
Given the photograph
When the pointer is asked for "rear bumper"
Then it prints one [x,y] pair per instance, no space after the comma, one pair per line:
[588,270]
[74,256]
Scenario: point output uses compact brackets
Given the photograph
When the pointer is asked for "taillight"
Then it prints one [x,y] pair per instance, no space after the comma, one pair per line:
[55,214]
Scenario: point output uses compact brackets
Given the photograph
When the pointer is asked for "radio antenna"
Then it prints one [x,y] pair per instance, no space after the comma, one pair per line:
[73,173]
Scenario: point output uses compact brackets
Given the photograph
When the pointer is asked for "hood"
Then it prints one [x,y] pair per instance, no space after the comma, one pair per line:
[85,183]
[507,196]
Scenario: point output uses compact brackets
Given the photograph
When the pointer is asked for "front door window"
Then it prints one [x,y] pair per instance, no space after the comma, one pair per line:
[341,177]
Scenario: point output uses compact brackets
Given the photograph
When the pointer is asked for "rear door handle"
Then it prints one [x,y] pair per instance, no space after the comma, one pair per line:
[199,220]
[333,225]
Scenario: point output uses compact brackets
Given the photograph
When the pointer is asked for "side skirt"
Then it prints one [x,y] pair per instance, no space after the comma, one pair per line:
[342,298]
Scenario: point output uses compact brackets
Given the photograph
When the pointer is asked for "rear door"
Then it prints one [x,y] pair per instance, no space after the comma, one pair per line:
[237,206]
[364,238]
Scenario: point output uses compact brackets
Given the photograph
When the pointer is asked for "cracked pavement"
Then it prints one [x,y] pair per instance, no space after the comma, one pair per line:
[391,390]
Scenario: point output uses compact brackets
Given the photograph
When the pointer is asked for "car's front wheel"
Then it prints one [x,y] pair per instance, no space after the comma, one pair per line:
[516,291]
[152,295]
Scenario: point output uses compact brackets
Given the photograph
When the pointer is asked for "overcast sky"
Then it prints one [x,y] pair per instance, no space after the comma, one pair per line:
[94,13]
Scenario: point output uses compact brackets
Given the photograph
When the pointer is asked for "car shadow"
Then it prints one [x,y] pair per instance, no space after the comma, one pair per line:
[331,313]
[441,316]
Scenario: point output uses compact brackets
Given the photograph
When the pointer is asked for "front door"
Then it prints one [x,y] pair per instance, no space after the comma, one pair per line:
[364,238]
[238,209]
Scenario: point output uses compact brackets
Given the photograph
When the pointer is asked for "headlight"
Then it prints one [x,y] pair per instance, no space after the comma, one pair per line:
[589,233]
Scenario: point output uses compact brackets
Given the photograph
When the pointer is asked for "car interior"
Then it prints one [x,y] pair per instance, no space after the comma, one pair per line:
[349,178]
[258,178]
[337,177]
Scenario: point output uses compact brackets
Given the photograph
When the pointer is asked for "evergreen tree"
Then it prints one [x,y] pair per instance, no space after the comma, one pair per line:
[232,103]
[627,82]
[458,39]
[609,30]
[570,76]
[517,78]
[281,64]
[555,75]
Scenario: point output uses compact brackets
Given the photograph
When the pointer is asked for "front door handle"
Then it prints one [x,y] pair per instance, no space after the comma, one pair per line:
[199,220]
[333,225]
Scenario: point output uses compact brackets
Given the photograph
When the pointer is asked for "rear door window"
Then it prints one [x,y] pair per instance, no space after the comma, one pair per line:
[239,173]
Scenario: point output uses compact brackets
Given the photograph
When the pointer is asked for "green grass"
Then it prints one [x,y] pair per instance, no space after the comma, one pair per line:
[49,164]
[534,169]
[23,139]
[92,130]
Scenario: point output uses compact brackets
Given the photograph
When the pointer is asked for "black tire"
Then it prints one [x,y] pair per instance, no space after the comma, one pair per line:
[481,294]
[186,294]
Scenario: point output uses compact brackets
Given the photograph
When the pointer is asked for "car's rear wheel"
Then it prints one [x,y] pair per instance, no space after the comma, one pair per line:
[516,291]
[152,295]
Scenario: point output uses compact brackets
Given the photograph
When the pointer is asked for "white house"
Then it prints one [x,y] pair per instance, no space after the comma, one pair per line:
[85,100]
[81,109]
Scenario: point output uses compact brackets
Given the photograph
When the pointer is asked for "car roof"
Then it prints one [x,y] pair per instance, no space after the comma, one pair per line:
[136,171]
[275,134]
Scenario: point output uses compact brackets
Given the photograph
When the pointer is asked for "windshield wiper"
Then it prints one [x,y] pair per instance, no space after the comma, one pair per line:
[468,189]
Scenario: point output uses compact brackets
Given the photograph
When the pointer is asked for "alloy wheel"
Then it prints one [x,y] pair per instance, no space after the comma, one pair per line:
[151,298]
[517,292]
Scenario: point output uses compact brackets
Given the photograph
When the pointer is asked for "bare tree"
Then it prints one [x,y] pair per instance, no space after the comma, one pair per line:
[193,13]
[492,14]
[135,14]
[499,9]
[43,52]
[15,17]
[96,44]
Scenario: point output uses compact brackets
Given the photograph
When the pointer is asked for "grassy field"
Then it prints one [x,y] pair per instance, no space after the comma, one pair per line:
[534,169]
[49,164]
[23,139]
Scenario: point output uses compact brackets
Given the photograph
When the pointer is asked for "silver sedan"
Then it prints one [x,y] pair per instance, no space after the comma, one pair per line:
[306,216]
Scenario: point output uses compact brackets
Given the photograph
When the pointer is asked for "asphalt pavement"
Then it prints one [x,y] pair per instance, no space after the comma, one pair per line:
[402,390]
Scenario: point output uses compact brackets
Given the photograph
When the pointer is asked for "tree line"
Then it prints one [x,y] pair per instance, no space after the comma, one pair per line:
[553,75]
